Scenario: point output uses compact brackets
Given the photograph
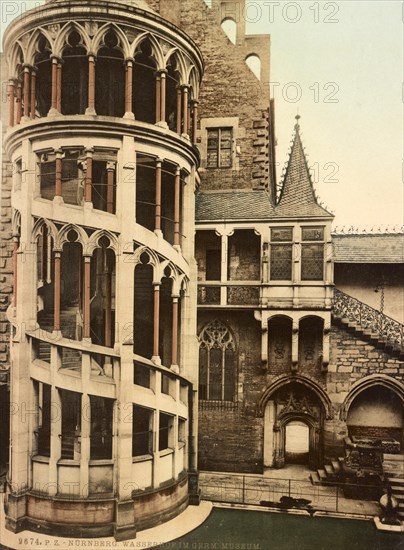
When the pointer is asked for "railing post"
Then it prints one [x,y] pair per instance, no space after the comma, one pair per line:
[289,486]
[360,314]
[336,498]
[243,499]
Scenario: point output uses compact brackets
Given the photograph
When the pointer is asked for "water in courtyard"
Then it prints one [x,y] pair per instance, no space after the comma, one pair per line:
[254,530]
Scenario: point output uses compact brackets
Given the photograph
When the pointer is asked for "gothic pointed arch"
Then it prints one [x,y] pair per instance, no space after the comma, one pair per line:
[299,380]
[368,382]
[217,362]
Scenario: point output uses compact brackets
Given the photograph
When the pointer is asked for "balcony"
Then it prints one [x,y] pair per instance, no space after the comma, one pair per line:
[231,294]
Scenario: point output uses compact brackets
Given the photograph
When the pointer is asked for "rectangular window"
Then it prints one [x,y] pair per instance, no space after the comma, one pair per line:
[142,431]
[101,428]
[44,422]
[181,430]
[281,254]
[220,147]
[141,375]
[166,425]
[312,261]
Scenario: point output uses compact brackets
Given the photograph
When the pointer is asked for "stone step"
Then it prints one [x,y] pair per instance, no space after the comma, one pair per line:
[322,474]
[397,489]
[315,478]
[336,464]
[329,470]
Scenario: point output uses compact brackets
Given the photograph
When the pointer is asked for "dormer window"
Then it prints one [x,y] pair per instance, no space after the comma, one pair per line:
[220,147]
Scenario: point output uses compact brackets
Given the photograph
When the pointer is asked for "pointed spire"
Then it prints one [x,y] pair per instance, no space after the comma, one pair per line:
[297,196]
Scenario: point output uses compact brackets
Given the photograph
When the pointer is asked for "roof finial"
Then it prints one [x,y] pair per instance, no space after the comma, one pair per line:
[297,117]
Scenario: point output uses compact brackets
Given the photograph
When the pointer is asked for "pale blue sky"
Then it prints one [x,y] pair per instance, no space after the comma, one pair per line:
[356,59]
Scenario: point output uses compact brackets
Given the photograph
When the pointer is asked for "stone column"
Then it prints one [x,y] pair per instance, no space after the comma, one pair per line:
[296,251]
[157,215]
[58,173]
[295,344]
[185,110]
[174,341]
[54,96]
[87,304]
[194,120]
[179,106]
[158,97]
[129,89]
[163,96]
[91,85]
[177,193]
[156,322]
[11,94]
[19,103]
[27,80]
[326,344]
[223,269]
[110,187]
[89,175]
[33,92]
[56,299]
[59,86]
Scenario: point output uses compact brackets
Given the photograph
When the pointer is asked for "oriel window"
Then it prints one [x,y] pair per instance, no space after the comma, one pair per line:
[281,254]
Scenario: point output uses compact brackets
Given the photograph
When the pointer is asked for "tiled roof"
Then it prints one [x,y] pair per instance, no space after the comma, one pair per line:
[297,196]
[233,205]
[371,249]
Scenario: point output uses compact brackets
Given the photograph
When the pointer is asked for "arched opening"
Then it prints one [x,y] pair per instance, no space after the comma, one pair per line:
[165,326]
[103,294]
[311,344]
[279,344]
[74,76]
[254,63]
[172,83]
[376,413]
[297,442]
[143,306]
[45,279]
[43,64]
[145,191]
[229,27]
[144,84]
[167,201]
[110,78]
[294,415]
[71,287]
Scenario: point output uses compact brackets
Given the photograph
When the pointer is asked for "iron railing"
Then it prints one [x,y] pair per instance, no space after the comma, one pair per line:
[367,317]
[287,494]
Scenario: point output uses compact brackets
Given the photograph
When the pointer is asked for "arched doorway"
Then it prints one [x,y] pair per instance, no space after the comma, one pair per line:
[294,411]
[297,442]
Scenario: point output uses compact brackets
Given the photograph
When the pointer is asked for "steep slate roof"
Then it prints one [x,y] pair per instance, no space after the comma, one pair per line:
[369,249]
[297,197]
[233,205]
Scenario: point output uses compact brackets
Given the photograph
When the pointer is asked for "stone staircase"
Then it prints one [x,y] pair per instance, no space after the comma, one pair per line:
[393,469]
[378,329]
[330,474]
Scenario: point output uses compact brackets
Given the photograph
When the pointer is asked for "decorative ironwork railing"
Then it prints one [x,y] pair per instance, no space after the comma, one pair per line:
[367,317]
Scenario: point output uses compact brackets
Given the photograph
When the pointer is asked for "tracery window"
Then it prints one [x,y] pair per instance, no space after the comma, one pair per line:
[217,363]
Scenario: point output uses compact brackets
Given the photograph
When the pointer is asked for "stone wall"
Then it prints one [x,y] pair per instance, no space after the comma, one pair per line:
[230,89]
[6,246]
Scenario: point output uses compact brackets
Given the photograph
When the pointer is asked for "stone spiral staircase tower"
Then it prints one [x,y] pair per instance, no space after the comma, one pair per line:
[102,130]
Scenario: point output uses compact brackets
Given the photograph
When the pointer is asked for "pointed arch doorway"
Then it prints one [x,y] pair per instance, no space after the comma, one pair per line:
[294,414]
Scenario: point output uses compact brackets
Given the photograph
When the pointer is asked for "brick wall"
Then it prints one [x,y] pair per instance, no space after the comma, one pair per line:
[230,436]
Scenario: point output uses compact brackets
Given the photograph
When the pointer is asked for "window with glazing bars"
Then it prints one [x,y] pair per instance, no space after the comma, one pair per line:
[219,147]
[217,363]
[312,262]
[281,254]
